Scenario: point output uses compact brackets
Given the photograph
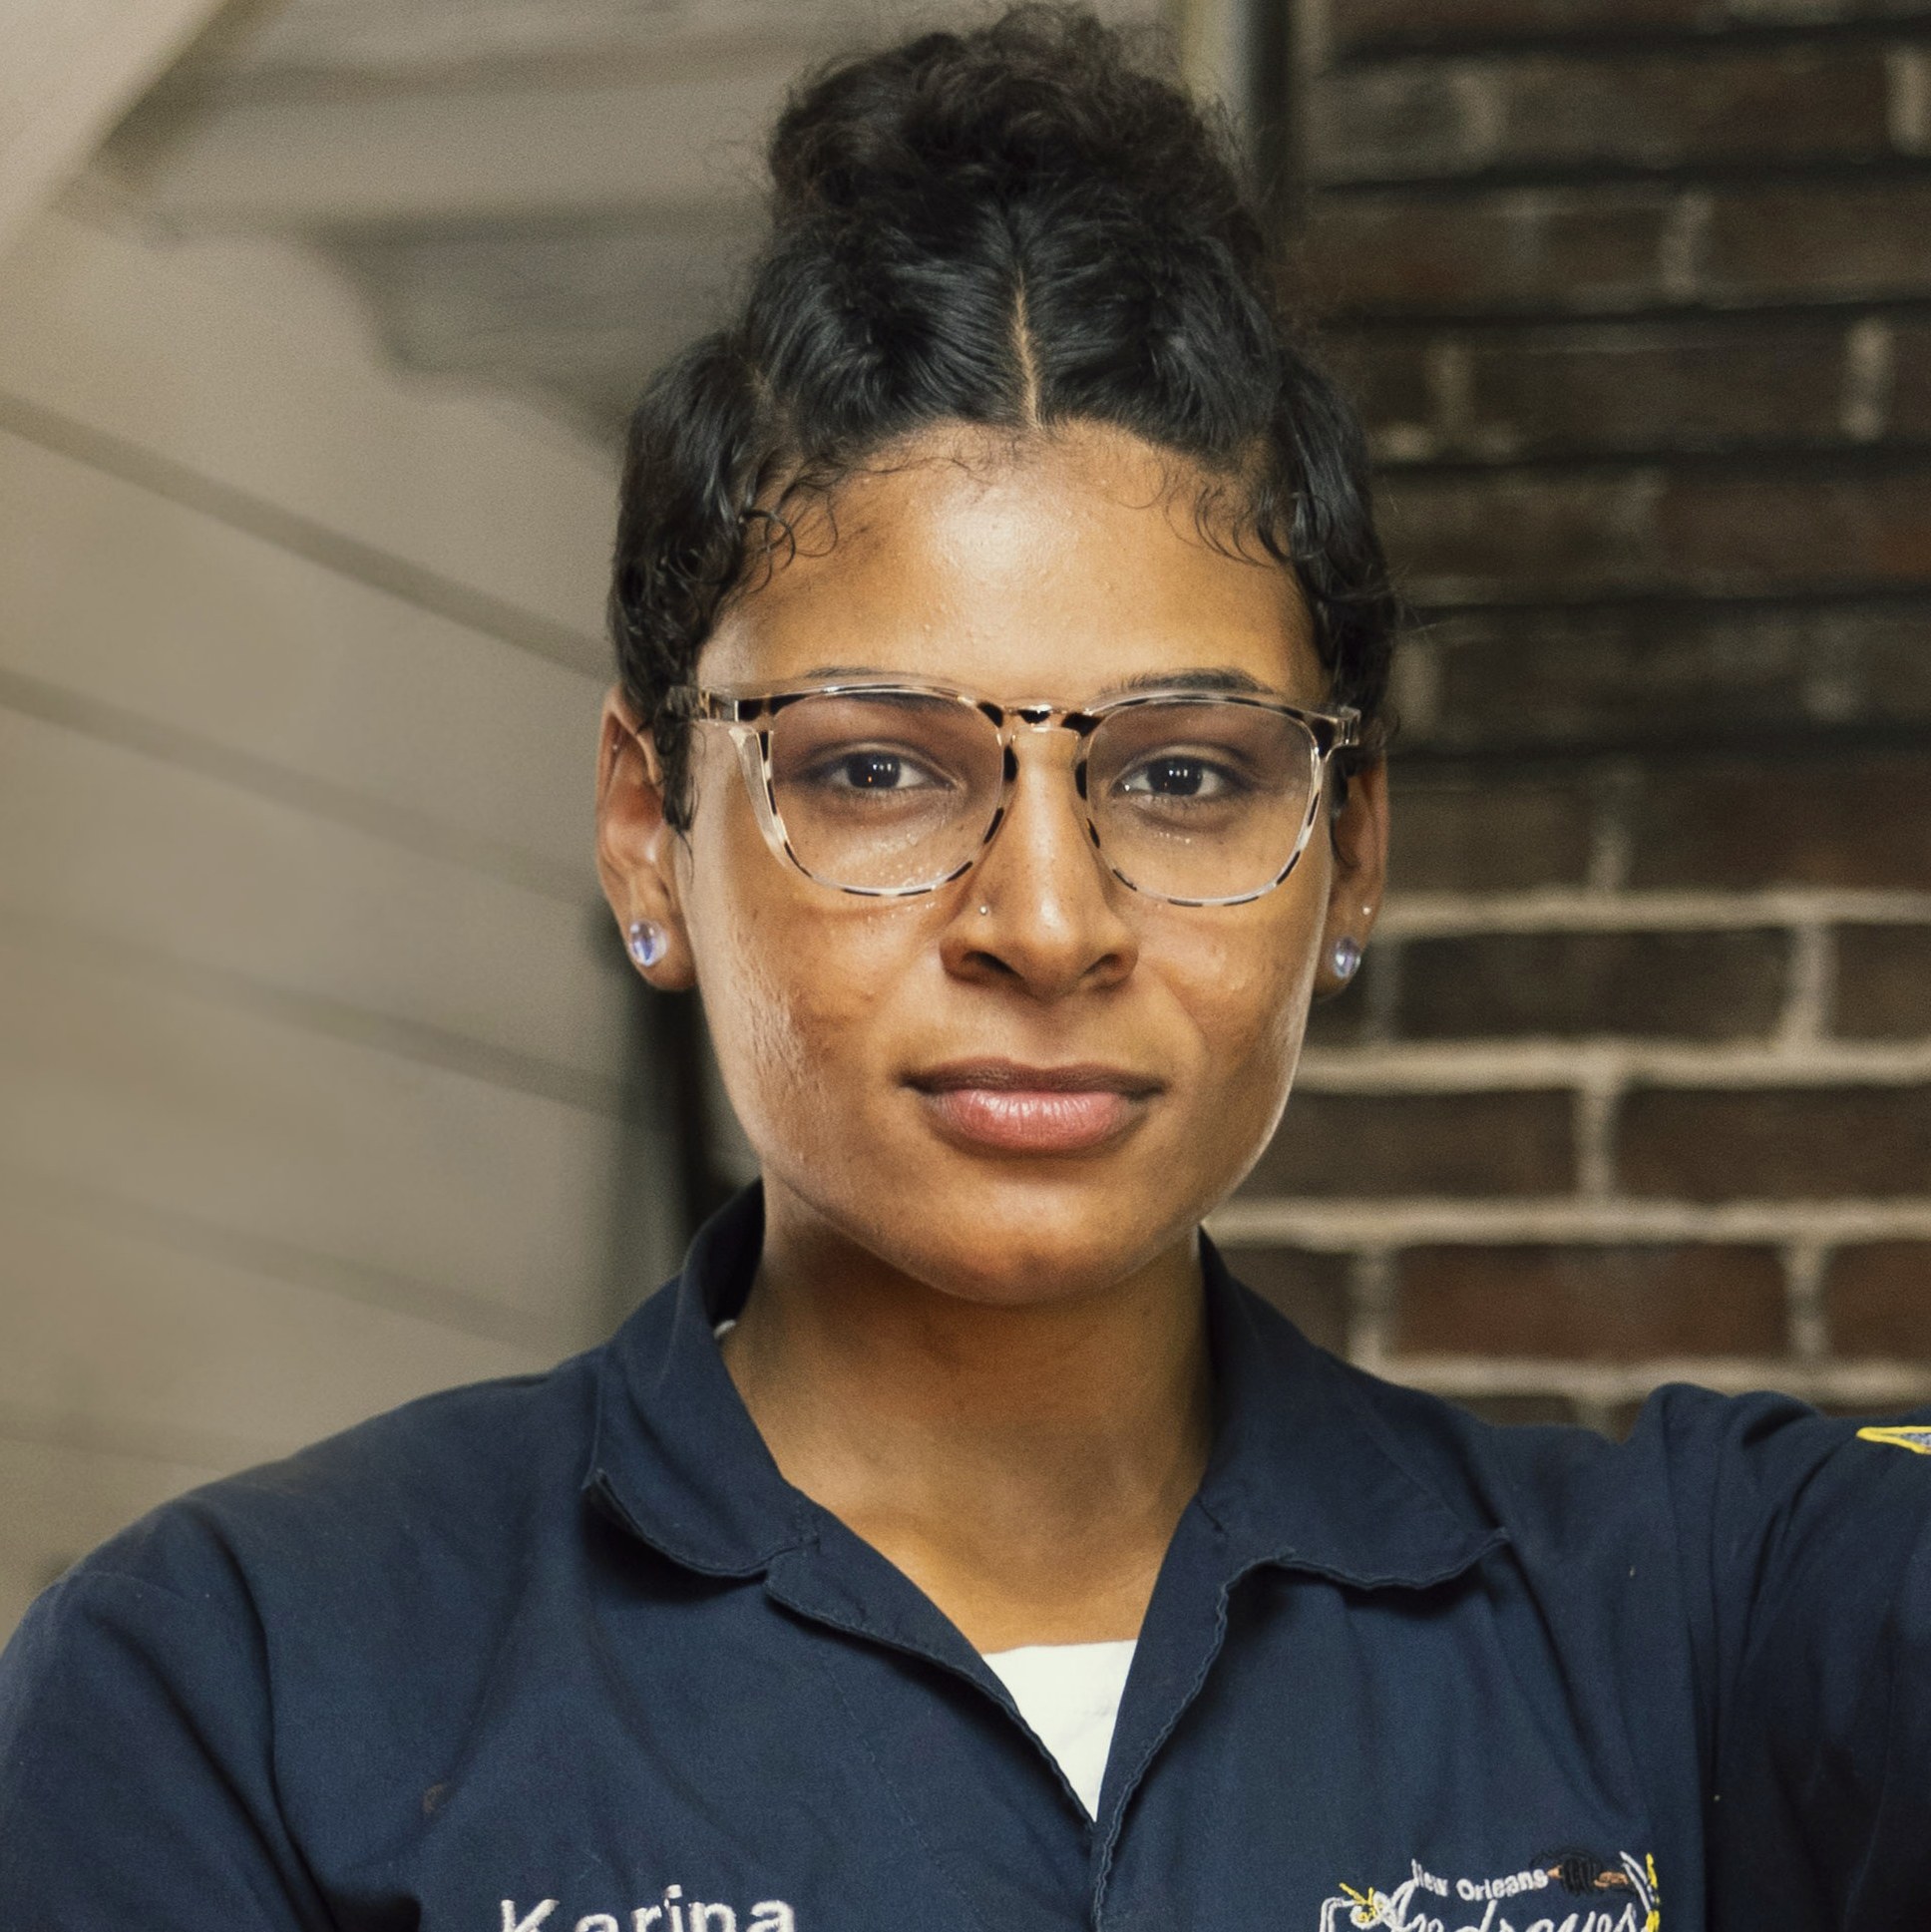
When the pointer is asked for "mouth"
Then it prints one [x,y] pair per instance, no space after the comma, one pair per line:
[1005,1107]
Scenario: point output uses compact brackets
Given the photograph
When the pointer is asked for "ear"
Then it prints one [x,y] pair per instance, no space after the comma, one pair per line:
[636,846]
[1360,836]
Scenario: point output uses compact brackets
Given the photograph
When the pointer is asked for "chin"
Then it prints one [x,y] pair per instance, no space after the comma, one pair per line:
[1022,1234]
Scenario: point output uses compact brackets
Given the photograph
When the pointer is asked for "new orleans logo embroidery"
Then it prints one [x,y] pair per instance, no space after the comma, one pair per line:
[1618,1895]
[1917,1440]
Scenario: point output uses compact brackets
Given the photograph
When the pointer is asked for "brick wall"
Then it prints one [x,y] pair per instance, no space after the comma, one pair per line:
[1636,1080]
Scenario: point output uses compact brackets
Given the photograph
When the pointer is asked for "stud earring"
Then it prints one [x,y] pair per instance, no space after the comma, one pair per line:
[647,941]
[985,912]
[1347,957]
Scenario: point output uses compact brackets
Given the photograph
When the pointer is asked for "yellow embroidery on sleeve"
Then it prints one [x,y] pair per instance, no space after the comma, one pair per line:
[1917,1440]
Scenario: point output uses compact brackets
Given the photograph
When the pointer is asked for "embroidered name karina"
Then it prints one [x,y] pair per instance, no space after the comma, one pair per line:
[675,1914]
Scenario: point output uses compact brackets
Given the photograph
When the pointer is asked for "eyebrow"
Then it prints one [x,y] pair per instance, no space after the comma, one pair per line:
[1223,677]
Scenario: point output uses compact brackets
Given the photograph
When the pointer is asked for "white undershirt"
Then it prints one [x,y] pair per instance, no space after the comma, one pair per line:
[1068,1693]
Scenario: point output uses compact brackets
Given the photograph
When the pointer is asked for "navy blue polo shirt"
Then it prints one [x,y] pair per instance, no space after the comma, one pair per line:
[566,1654]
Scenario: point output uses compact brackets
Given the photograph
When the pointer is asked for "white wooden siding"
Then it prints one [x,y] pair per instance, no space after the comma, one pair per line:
[316,1058]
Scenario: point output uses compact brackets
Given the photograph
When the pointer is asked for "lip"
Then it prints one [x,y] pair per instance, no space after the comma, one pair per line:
[1007,1107]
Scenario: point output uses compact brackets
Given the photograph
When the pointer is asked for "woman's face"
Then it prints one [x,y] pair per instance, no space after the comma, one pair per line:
[1061,568]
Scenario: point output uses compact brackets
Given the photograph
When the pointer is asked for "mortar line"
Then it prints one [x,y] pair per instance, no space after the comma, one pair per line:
[1810,990]
[1804,1267]
[1869,353]
[1611,841]
[1371,1303]
[1413,914]
[1598,1095]
[1907,76]
[1876,1383]
[1341,1226]
[1488,1066]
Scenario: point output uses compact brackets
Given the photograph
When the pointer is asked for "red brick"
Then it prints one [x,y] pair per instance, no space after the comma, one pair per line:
[1725,985]
[1736,535]
[1520,535]
[1884,981]
[1589,250]
[1821,820]
[1778,1143]
[1655,387]
[1909,413]
[1392,123]
[1877,1300]
[1590,1304]
[1656,675]
[1485,831]
[1354,24]
[1531,534]
[1599,388]
[1430,117]
[1572,249]
[1386,377]
[1462,1145]
[1667,110]
[1817,241]
[1357,24]
[1310,1289]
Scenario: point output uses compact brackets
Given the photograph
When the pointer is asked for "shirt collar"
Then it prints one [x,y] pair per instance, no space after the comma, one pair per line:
[676,1454]
[1305,1471]
[1309,1468]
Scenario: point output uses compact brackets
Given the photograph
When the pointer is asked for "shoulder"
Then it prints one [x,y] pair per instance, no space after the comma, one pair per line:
[264,1636]
[1730,1478]
[376,1521]
[359,1589]
[1705,1463]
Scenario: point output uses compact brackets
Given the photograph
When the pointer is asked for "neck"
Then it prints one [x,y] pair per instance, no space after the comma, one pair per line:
[1024,1463]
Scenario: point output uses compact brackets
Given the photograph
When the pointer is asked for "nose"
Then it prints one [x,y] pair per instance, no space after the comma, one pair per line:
[1040,911]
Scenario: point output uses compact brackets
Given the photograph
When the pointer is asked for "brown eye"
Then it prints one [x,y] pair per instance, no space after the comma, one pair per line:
[871,771]
[1178,775]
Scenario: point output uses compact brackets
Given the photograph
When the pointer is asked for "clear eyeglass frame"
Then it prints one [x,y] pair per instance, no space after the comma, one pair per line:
[750,718]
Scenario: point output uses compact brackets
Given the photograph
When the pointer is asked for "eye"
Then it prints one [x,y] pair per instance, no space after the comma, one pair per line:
[872,769]
[1179,775]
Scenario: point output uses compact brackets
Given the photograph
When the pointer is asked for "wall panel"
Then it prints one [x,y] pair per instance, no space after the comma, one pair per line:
[489,1197]
[319,1082]
[241,372]
[122,596]
[141,854]
[202,1356]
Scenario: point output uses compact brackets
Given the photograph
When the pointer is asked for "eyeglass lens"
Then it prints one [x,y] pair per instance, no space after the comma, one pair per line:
[1191,798]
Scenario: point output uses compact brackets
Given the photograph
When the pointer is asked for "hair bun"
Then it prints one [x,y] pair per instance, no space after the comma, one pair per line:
[1047,98]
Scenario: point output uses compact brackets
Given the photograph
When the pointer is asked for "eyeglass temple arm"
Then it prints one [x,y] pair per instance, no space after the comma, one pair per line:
[1334,730]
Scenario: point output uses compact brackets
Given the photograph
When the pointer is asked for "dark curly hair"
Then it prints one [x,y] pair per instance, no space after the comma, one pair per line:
[1018,226]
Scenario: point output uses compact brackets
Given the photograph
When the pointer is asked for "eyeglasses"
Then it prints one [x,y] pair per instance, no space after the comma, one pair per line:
[891,788]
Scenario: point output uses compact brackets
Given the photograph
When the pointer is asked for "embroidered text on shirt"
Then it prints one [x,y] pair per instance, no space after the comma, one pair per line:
[675,1914]
[1620,1895]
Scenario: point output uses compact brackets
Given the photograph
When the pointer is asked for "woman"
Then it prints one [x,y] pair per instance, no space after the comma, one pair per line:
[1003,639]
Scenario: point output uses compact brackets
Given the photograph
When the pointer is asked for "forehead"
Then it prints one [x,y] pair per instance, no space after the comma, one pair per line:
[1050,565]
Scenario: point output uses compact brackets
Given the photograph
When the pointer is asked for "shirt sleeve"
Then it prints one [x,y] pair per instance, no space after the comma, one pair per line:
[136,1784]
[1818,1545]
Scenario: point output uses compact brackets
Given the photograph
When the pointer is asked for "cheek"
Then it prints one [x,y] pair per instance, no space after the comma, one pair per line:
[794,981]
[1245,988]
[1248,990]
